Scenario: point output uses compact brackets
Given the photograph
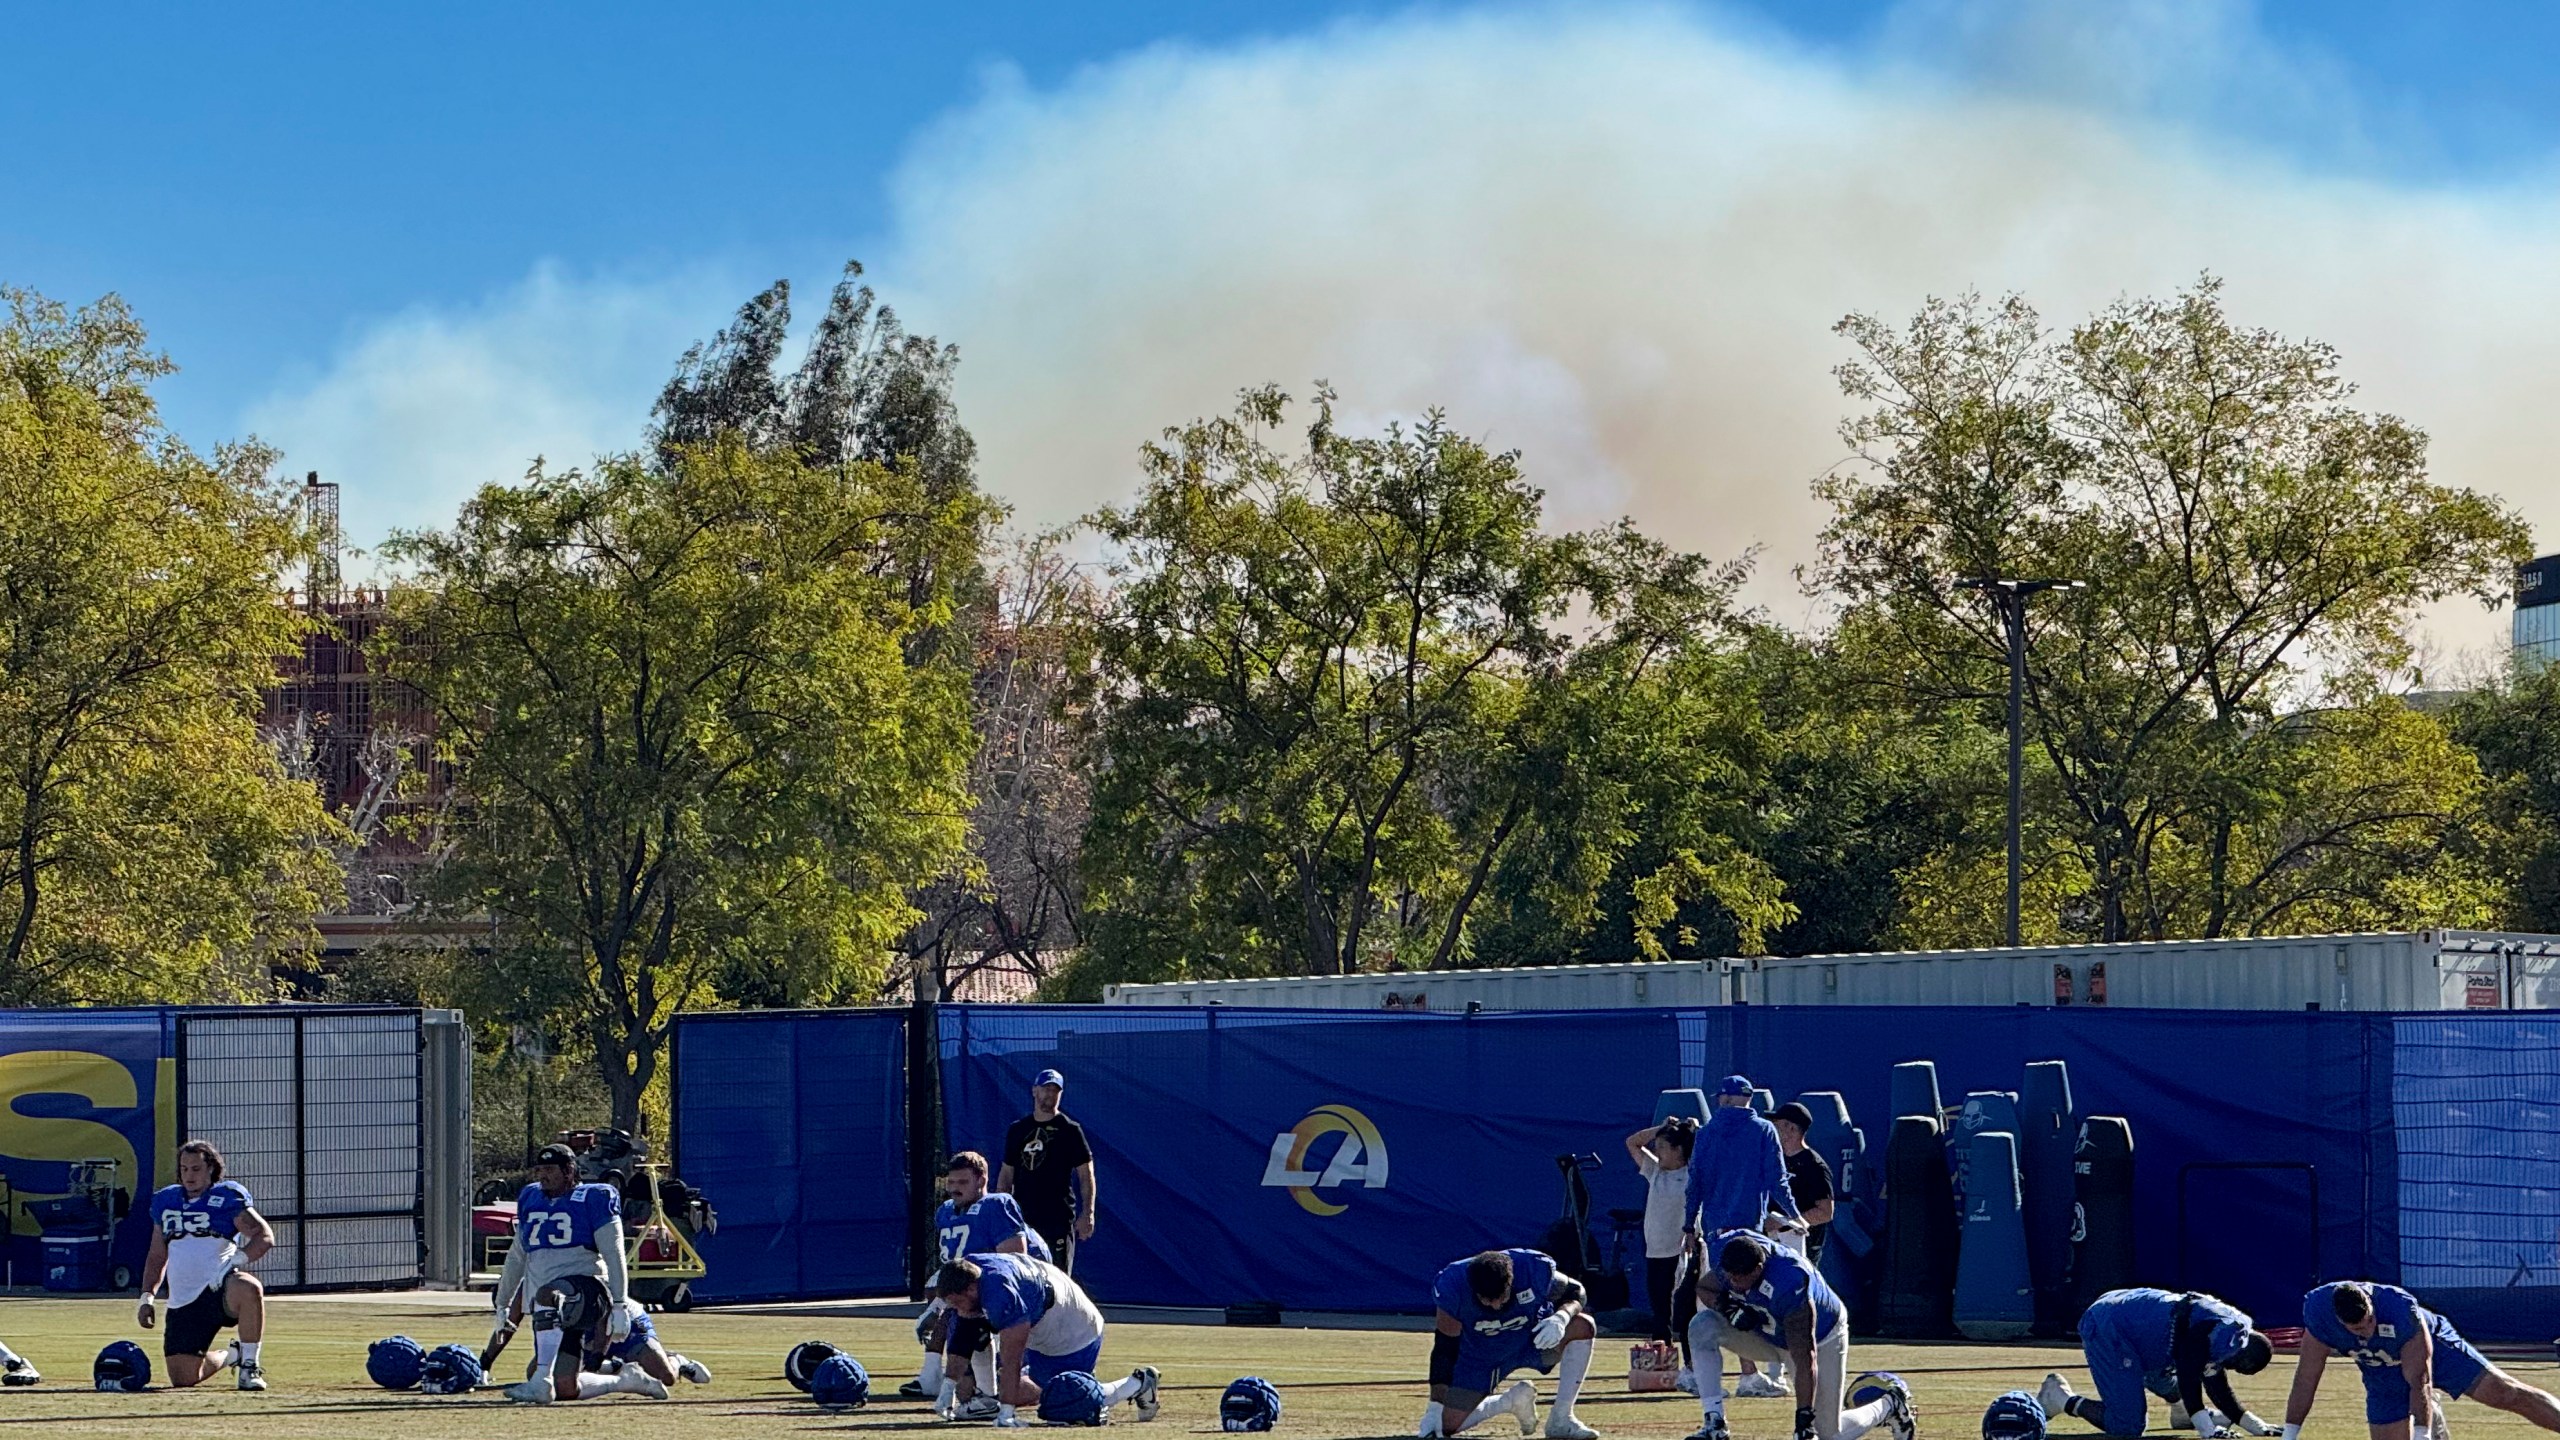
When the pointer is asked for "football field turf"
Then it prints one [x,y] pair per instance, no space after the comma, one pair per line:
[1333,1383]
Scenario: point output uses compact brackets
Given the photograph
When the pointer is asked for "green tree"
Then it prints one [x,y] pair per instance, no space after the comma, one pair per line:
[700,760]
[2513,728]
[1352,697]
[151,845]
[2251,540]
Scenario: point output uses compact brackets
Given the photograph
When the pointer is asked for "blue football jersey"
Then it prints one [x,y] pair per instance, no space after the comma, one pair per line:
[2143,1316]
[988,1223]
[568,1222]
[1787,1284]
[1533,1274]
[2397,1315]
[213,1215]
[1010,1291]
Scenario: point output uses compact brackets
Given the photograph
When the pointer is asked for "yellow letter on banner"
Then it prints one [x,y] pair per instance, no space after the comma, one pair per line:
[104,1083]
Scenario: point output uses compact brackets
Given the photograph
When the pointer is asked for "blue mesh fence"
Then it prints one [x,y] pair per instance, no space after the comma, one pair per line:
[2476,1107]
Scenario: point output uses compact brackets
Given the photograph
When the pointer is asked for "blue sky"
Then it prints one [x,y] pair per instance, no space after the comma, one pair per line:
[416,249]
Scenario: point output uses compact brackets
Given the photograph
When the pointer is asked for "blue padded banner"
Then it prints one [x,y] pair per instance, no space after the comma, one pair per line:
[1332,1159]
[1316,1159]
[80,1085]
[794,1124]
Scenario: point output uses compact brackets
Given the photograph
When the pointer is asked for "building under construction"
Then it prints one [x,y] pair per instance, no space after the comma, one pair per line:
[367,741]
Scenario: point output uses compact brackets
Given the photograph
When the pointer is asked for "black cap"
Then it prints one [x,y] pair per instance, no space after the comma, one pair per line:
[1792,1111]
[557,1155]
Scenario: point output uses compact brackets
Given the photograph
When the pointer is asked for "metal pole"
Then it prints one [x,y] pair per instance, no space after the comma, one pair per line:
[2013,611]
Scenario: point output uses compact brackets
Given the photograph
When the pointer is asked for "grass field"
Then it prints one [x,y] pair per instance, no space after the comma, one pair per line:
[1334,1383]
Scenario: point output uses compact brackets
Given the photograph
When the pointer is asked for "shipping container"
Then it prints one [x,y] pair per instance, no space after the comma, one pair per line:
[1542,987]
[2412,970]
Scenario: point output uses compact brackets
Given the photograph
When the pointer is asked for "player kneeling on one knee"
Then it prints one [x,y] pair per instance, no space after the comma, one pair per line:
[1044,1326]
[203,1230]
[2406,1353]
[1766,1304]
[568,1257]
[958,1373]
[2179,1346]
[1502,1311]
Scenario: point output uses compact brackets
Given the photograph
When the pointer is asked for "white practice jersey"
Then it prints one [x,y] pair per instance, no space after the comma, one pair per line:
[202,1232]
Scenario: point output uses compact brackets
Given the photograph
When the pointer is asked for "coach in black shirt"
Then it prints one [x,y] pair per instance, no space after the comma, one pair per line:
[1808,1175]
[1046,1165]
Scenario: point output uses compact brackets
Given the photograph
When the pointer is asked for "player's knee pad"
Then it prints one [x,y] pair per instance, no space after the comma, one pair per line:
[545,1316]
[1444,1358]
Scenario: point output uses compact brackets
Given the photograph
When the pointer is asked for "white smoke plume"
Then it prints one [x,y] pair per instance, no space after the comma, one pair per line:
[1616,239]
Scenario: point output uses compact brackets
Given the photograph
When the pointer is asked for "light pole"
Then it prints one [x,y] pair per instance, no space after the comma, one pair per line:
[2011,596]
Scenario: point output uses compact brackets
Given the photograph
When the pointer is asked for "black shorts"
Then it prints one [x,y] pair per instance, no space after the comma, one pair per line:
[584,1310]
[964,1335]
[189,1329]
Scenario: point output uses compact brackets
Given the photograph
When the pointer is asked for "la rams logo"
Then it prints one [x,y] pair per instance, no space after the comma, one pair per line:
[1361,1157]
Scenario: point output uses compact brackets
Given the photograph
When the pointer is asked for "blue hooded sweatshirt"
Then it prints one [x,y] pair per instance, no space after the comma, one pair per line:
[1737,1173]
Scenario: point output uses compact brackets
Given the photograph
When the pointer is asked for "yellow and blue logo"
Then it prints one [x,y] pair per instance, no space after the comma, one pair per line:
[1360,1158]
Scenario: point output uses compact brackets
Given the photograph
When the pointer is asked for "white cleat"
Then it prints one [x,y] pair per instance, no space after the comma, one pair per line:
[1429,1429]
[2055,1396]
[981,1406]
[16,1371]
[1565,1425]
[251,1376]
[692,1372]
[1686,1382]
[1522,1401]
[1759,1386]
[1148,1404]
[635,1381]
[1712,1428]
[532,1390]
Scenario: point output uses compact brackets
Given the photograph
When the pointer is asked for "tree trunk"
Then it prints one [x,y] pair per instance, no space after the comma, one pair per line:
[619,1057]
[2218,892]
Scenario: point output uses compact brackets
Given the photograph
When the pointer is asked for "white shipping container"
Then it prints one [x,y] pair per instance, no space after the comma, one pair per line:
[1539,987]
[2413,970]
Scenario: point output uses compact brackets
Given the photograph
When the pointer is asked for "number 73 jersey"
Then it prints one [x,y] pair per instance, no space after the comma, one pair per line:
[547,1223]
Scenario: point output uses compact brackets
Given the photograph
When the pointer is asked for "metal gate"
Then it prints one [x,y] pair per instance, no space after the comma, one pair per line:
[321,1115]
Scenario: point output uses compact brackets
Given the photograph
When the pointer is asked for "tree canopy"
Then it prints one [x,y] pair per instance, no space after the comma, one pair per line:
[2255,550]
[151,845]
[698,758]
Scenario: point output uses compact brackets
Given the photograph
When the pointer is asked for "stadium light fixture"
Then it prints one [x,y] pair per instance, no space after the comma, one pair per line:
[2010,597]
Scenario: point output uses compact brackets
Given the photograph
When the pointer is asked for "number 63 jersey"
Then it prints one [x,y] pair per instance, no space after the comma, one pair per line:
[203,1234]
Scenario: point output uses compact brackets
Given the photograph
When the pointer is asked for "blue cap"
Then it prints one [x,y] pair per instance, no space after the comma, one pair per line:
[1048,1077]
[1734,1085]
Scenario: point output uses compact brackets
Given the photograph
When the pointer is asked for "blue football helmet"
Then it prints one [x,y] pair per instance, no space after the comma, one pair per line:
[2017,1415]
[396,1363]
[841,1384]
[804,1360]
[450,1370]
[1073,1398]
[124,1366]
[1251,1403]
[1876,1385]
